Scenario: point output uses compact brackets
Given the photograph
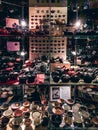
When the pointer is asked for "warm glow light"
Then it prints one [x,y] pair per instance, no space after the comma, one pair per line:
[85,25]
[77,24]
[73,52]
[22,53]
[23,23]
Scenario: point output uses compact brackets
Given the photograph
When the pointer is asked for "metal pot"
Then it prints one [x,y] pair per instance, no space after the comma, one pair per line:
[56,78]
[74,78]
[56,120]
[22,79]
[13,75]
[31,78]
[65,78]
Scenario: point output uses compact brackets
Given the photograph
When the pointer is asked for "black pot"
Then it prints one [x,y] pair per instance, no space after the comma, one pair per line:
[78,124]
[88,123]
[60,71]
[80,74]
[74,78]
[31,78]
[0,113]
[13,76]
[3,78]
[4,121]
[22,79]
[56,78]
[87,78]
[26,115]
[55,73]
[65,78]
[56,120]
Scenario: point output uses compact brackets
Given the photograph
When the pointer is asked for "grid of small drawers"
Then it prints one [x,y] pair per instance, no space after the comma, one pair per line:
[38,15]
[41,45]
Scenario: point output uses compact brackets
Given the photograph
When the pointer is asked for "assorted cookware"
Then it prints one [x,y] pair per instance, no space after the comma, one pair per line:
[18,114]
[73,113]
[74,75]
[79,115]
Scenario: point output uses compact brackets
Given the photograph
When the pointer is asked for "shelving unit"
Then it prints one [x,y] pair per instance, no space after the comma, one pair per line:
[54,44]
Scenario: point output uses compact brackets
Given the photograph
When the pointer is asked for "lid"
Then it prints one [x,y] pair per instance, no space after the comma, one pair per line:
[36,115]
[78,117]
[7,113]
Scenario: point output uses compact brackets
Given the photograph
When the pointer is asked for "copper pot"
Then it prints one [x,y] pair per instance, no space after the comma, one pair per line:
[18,113]
[26,104]
[58,110]
[44,101]
[25,110]
[95,121]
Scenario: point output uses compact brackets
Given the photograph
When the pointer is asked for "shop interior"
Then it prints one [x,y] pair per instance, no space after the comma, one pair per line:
[48,74]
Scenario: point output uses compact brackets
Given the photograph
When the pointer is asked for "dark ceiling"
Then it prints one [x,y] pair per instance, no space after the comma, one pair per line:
[13,9]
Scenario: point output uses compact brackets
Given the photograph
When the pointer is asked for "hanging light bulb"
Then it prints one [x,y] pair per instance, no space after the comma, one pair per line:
[23,53]
[23,23]
[78,24]
[73,53]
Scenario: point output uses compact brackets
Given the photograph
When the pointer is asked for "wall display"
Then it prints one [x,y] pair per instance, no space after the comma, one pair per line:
[13,46]
[63,92]
[12,23]
[58,15]
[43,45]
